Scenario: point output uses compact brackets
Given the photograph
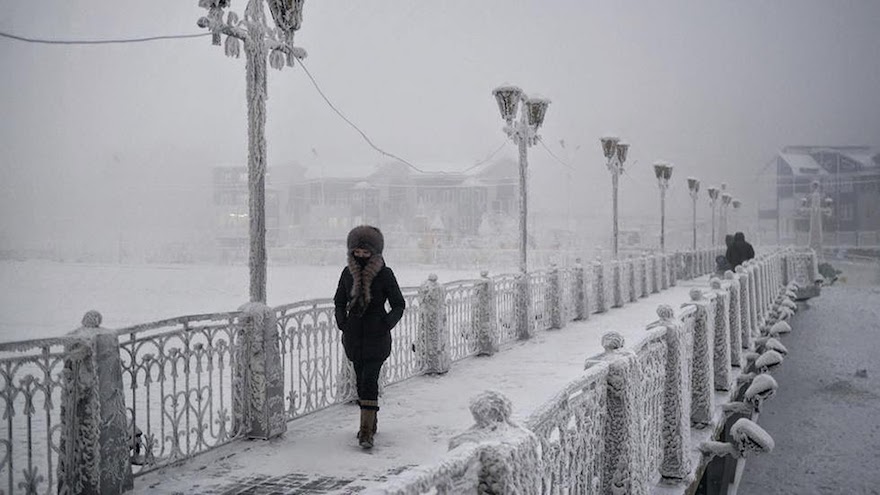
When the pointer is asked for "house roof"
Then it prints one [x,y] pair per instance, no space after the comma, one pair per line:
[802,164]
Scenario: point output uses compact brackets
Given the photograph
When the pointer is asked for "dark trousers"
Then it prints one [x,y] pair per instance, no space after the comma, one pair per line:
[367,373]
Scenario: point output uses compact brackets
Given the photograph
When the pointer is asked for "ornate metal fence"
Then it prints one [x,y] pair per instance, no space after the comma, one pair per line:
[312,356]
[30,388]
[651,356]
[179,375]
[538,285]
[571,429]
[403,362]
[460,298]
[505,297]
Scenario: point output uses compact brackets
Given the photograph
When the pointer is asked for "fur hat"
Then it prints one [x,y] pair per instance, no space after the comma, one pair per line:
[366,237]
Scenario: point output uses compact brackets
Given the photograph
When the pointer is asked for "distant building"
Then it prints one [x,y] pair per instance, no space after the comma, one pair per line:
[849,175]
[448,205]
[231,221]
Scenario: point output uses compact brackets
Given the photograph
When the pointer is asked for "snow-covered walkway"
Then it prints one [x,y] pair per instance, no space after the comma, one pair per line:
[319,453]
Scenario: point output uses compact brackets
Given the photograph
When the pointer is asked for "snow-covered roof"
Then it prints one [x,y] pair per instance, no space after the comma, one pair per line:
[802,164]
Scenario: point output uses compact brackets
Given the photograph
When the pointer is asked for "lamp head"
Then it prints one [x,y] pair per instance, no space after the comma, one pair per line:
[508,98]
[713,193]
[287,15]
[536,109]
[609,145]
[622,150]
[693,185]
[663,170]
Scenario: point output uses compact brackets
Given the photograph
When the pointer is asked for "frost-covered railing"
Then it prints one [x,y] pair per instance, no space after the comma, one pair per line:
[312,356]
[571,430]
[178,375]
[184,388]
[626,422]
[31,375]
[460,302]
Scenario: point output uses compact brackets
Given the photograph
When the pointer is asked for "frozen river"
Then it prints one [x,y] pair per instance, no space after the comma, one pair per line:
[47,299]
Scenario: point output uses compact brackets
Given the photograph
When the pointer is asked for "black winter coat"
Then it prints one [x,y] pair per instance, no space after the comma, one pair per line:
[368,337]
[739,252]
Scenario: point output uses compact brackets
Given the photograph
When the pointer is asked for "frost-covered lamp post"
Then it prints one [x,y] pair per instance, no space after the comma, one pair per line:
[615,153]
[523,132]
[260,42]
[812,205]
[737,204]
[663,171]
[694,190]
[713,193]
[726,198]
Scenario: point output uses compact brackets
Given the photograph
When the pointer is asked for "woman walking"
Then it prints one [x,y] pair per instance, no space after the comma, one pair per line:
[364,286]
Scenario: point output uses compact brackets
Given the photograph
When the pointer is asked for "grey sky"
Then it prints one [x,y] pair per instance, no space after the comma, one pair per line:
[716,87]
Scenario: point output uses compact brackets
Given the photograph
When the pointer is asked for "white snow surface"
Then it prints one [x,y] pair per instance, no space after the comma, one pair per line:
[418,416]
[48,299]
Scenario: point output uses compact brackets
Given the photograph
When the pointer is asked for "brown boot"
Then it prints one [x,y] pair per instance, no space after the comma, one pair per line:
[365,436]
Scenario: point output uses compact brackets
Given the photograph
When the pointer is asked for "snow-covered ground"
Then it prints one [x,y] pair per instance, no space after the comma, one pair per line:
[825,417]
[48,299]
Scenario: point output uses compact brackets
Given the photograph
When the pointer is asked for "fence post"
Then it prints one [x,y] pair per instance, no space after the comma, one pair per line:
[631,264]
[434,352]
[746,283]
[644,278]
[756,272]
[555,297]
[599,285]
[259,374]
[523,306]
[674,268]
[617,284]
[703,372]
[94,450]
[509,453]
[655,274]
[734,316]
[581,294]
[485,316]
[676,431]
[623,467]
[721,350]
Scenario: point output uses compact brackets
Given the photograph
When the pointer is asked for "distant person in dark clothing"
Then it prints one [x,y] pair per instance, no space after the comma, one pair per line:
[739,251]
[721,263]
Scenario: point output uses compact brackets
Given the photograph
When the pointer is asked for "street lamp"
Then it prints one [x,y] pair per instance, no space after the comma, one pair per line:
[812,205]
[663,171]
[523,132]
[726,198]
[713,193]
[694,189]
[736,206]
[260,42]
[615,153]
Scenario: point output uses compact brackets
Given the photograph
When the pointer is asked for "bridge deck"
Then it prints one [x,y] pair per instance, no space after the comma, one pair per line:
[319,453]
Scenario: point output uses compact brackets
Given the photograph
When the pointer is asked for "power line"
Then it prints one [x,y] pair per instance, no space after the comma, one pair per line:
[199,35]
[100,42]
[554,155]
[370,141]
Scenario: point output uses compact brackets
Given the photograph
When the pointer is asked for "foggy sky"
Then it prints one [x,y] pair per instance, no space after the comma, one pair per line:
[99,138]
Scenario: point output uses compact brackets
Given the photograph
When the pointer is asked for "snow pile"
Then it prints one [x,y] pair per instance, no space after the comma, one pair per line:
[762,388]
[768,361]
[749,438]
